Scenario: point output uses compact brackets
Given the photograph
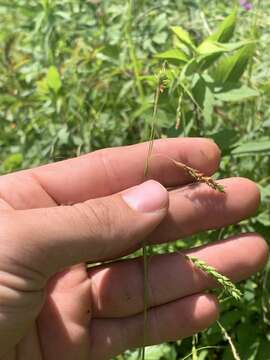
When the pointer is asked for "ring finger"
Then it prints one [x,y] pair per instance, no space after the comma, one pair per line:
[172,276]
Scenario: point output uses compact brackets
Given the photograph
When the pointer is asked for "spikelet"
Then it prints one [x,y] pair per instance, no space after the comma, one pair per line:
[199,177]
[225,283]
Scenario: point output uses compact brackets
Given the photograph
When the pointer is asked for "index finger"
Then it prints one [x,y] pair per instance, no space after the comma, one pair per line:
[109,171]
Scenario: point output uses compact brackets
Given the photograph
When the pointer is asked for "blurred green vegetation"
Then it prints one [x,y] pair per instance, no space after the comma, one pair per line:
[73,78]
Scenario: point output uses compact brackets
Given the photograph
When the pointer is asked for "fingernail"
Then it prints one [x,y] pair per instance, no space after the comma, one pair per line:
[150,196]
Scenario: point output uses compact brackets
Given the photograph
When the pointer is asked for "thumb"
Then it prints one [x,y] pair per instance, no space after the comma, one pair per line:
[96,230]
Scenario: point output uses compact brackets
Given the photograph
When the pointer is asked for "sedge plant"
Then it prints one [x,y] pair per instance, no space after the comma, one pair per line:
[203,75]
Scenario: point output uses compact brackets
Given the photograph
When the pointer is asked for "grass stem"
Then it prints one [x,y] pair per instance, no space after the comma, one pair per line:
[132,53]
[229,339]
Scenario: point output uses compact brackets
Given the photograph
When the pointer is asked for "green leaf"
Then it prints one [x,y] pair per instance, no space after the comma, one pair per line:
[209,47]
[266,123]
[265,193]
[204,97]
[247,335]
[237,94]
[190,68]
[232,68]
[53,79]
[13,162]
[263,351]
[173,54]
[264,218]
[253,147]
[157,352]
[225,139]
[183,36]
[210,52]
[63,135]
[226,29]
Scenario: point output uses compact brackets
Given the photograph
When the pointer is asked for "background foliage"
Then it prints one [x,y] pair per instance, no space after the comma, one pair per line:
[76,76]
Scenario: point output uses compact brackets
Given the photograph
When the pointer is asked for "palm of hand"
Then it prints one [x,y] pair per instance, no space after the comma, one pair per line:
[64,322]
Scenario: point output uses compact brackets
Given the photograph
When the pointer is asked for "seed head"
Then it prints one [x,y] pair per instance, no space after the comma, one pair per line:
[199,177]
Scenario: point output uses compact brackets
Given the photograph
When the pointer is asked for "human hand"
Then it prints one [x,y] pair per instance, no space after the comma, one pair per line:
[52,307]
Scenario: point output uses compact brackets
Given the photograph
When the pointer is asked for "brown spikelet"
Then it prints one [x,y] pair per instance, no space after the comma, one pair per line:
[199,177]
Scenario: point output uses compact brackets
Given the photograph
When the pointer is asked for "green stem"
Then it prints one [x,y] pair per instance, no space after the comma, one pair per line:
[145,298]
[120,357]
[194,348]
[152,131]
[145,247]
[132,53]
[255,35]
[200,349]
[229,339]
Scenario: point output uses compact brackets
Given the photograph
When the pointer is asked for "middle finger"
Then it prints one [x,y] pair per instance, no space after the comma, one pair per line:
[196,208]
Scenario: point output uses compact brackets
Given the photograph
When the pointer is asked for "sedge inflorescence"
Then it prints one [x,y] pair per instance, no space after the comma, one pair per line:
[222,280]
[199,177]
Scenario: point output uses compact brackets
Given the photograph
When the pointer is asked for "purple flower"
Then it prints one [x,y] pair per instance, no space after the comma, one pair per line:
[246,5]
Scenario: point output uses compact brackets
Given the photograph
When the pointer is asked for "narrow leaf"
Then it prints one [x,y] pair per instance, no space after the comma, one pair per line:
[204,97]
[173,54]
[253,147]
[211,51]
[232,68]
[209,47]
[183,36]
[226,29]
[239,94]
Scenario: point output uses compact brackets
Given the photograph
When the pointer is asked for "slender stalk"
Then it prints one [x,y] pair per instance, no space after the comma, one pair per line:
[200,349]
[146,298]
[204,21]
[145,247]
[194,348]
[229,339]
[120,357]
[179,111]
[152,131]
[254,32]
[255,35]
[132,53]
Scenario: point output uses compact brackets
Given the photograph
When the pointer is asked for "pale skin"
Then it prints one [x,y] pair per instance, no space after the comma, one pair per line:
[57,217]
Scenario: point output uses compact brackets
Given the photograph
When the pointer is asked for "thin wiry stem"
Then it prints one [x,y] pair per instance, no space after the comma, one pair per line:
[146,298]
[152,131]
[159,89]
[202,348]
[179,111]
[229,339]
[255,34]
[194,348]
[132,53]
